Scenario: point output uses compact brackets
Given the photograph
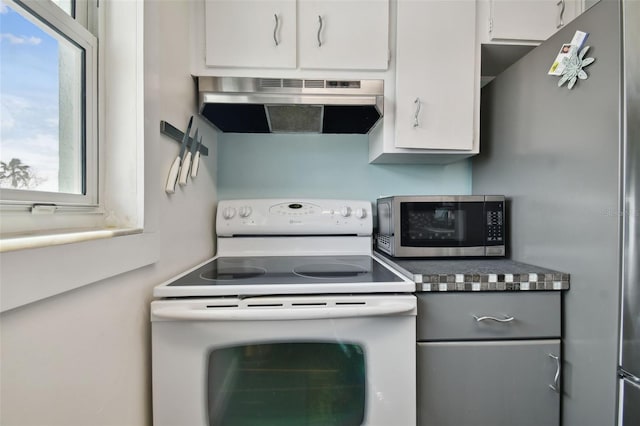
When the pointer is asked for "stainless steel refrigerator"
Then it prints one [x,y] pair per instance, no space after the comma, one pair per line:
[629,368]
[568,162]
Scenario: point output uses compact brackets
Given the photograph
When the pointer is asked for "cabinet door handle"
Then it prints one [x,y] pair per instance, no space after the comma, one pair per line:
[416,122]
[320,24]
[490,318]
[561,15]
[275,29]
[556,378]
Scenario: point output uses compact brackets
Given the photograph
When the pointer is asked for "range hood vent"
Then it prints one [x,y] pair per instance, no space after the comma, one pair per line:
[274,105]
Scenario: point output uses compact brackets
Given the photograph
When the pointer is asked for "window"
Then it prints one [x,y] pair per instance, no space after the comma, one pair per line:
[48,91]
[125,211]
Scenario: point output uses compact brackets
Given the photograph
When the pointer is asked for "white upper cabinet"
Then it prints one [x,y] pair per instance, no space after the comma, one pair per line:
[250,33]
[290,34]
[435,75]
[347,34]
[530,20]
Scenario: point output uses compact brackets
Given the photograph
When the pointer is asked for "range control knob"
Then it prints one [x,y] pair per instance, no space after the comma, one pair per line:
[245,211]
[360,213]
[345,211]
[228,212]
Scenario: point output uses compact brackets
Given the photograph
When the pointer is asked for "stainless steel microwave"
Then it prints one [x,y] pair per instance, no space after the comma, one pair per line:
[441,226]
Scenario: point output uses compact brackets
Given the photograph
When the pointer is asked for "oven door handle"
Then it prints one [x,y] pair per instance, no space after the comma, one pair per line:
[280,314]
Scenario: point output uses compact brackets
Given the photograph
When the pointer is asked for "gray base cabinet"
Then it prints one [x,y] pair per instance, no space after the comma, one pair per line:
[493,383]
[489,359]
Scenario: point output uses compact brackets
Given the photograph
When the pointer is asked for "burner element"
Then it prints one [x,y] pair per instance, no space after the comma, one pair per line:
[329,270]
[230,273]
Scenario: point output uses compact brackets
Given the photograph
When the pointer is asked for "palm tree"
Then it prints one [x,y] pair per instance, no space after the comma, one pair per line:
[18,173]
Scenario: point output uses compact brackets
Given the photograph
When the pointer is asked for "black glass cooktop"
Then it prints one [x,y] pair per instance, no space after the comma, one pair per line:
[288,270]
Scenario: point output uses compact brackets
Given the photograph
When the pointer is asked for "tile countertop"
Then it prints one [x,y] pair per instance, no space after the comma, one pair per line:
[477,274]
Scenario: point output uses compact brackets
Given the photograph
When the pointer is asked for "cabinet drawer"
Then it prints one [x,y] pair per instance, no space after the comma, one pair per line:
[462,316]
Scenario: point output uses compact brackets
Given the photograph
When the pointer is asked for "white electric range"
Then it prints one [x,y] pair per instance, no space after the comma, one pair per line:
[293,322]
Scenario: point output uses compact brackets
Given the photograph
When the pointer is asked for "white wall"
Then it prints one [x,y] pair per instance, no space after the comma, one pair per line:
[83,357]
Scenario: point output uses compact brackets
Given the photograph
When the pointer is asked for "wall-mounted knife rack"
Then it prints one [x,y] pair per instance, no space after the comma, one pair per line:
[177,135]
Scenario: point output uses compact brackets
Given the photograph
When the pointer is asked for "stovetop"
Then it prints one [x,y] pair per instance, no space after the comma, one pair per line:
[290,246]
[261,275]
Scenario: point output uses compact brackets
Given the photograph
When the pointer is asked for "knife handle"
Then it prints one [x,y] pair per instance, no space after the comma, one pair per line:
[195,164]
[173,176]
[184,170]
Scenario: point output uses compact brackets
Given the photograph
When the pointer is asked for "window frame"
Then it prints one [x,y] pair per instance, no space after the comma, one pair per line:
[21,209]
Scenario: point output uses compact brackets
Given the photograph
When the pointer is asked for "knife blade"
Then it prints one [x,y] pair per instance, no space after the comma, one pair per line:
[186,162]
[196,160]
[170,188]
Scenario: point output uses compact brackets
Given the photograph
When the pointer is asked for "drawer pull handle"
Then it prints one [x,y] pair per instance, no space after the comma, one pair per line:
[556,379]
[489,318]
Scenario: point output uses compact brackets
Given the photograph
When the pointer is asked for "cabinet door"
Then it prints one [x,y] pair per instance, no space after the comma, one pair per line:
[534,20]
[488,383]
[435,74]
[347,34]
[250,33]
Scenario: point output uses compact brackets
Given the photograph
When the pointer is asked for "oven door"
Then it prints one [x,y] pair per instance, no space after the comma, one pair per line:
[315,360]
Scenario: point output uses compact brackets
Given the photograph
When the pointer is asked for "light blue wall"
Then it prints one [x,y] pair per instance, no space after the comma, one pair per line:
[324,166]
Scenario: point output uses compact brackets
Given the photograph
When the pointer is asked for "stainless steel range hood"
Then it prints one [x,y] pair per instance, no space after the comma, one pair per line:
[273,105]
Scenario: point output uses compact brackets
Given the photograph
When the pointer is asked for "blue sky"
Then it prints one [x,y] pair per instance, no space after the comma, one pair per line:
[29,95]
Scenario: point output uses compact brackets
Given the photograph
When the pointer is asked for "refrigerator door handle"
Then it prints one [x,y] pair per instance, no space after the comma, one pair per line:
[624,375]
[556,378]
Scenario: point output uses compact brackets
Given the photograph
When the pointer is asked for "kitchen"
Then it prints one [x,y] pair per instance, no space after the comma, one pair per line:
[83,357]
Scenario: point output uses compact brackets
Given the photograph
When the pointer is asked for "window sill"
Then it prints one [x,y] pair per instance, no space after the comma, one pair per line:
[27,276]
[25,241]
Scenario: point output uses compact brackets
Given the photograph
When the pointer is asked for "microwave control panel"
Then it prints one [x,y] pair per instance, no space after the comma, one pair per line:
[495,223]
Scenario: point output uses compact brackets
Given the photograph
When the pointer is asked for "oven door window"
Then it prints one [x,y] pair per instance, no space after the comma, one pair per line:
[442,224]
[281,384]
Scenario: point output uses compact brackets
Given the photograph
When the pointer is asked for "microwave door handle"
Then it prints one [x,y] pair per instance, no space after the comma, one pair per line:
[279,314]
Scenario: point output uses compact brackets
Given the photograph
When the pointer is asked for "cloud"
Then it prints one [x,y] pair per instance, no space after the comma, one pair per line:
[29,112]
[28,130]
[53,122]
[14,39]
[12,108]
[40,152]
[12,102]
[7,120]
[4,8]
